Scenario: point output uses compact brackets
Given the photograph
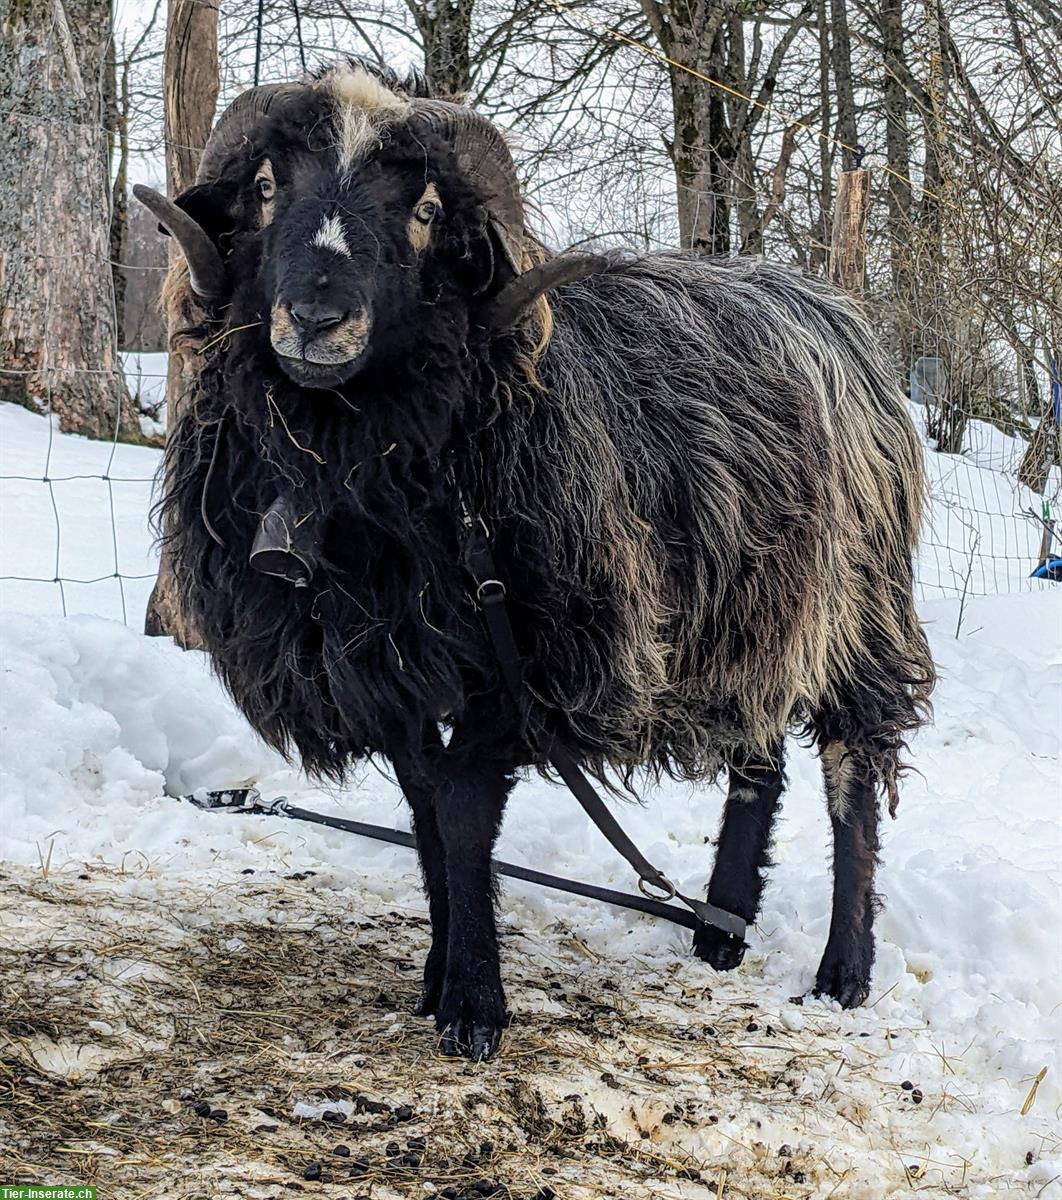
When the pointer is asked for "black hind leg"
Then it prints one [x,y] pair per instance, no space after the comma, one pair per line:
[754,795]
[844,973]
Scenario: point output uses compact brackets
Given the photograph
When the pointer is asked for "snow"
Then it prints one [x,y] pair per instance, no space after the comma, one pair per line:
[145,372]
[981,535]
[103,729]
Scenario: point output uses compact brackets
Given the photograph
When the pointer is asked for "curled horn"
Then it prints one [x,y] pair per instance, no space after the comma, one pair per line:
[230,135]
[206,271]
[238,124]
[484,158]
[506,309]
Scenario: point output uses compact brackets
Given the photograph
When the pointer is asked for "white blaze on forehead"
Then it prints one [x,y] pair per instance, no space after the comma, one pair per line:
[364,107]
[331,237]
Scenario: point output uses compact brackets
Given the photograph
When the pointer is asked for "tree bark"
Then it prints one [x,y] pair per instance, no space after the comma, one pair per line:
[119,235]
[58,337]
[712,147]
[701,153]
[936,305]
[898,152]
[445,28]
[842,78]
[818,258]
[897,142]
[1044,450]
[191,85]
[848,244]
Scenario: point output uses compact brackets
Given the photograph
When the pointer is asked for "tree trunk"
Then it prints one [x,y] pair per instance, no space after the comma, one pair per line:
[191,84]
[445,29]
[848,244]
[754,224]
[897,143]
[119,237]
[58,340]
[936,309]
[700,147]
[842,78]
[898,194]
[701,177]
[1044,450]
[819,257]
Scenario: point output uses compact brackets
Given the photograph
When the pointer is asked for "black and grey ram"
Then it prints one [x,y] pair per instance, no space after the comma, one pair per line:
[700,483]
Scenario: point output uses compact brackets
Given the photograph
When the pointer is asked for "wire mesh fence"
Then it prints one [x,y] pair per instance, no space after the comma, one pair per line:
[75,535]
[984,532]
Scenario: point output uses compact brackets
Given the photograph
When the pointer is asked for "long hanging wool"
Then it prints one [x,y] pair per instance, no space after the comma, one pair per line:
[700,479]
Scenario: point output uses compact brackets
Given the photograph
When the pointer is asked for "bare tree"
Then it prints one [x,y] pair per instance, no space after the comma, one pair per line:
[722,80]
[58,337]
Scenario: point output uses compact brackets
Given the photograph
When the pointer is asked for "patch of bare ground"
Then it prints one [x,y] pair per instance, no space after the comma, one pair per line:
[160,1038]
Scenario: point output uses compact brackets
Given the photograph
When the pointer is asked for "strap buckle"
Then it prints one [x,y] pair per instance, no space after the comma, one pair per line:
[236,799]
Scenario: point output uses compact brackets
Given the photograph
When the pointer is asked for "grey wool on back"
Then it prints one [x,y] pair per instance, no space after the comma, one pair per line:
[723,470]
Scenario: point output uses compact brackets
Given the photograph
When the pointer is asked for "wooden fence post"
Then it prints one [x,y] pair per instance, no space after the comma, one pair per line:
[191,93]
[848,249]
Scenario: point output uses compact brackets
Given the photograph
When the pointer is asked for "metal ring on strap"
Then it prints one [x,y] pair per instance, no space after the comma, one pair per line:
[668,891]
[495,587]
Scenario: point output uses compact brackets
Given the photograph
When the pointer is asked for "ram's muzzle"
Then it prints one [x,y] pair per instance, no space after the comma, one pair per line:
[318,344]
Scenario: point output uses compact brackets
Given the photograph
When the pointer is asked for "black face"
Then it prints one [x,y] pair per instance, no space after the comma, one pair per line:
[348,263]
[343,262]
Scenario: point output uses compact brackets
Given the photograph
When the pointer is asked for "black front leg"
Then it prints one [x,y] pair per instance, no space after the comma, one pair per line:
[420,779]
[470,1014]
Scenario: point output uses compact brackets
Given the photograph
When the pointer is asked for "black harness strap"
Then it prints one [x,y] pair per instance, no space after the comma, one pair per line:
[248,800]
[287,547]
[490,595]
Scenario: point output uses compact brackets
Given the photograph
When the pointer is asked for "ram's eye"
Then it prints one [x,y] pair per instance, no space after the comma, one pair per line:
[426,210]
[265,187]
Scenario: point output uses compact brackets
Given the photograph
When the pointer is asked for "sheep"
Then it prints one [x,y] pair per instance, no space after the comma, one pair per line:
[699,480]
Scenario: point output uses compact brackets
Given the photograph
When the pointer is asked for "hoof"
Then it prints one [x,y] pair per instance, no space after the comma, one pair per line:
[470,1020]
[846,982]
[475,1042]
[720,950]
[426,1003]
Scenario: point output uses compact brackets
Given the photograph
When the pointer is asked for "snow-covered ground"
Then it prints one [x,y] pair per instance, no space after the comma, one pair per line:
[146,375]
[103,728]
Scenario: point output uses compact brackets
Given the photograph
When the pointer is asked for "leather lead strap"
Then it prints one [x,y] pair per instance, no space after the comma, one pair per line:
[248,800]
[490,595]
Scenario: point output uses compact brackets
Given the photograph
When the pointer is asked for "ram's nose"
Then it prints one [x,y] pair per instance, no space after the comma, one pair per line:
[313,319]
[312,333]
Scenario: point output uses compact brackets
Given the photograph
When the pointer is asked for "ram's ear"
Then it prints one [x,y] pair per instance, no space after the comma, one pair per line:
[491,268]
[212,207]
